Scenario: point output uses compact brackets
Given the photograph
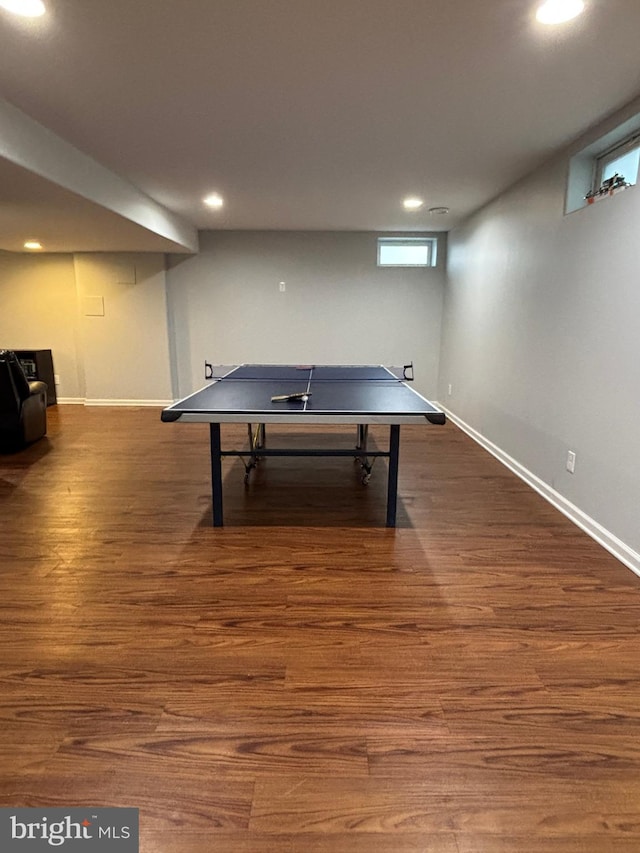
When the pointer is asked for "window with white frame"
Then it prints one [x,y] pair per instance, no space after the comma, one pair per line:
[607,164]
[622,159]
[407,251]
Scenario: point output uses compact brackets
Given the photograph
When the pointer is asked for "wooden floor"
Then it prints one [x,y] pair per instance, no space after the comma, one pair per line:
[304,680]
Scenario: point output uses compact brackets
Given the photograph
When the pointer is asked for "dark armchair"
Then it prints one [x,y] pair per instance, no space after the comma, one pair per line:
[23,404]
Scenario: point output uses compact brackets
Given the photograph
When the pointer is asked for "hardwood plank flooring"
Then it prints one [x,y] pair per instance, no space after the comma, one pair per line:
[305,680]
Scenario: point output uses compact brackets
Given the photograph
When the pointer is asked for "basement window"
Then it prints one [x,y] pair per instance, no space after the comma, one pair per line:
[621,160]
[607,165]
[407,251]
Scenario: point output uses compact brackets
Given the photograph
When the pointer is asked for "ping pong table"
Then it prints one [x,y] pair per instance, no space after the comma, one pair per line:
[260,394]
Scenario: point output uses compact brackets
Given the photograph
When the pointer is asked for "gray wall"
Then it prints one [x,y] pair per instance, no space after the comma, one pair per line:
[541,346]
[125,350]
[38,310]
[154,328]
[120,355]
[226,306]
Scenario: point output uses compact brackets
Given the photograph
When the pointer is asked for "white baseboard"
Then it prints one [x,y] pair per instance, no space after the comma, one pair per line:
[155,403]
[602,536]
[81,401]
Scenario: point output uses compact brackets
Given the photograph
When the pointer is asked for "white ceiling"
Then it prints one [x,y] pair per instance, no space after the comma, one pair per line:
[303,115]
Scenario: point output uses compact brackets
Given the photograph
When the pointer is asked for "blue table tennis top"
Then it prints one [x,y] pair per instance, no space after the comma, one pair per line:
[336,394]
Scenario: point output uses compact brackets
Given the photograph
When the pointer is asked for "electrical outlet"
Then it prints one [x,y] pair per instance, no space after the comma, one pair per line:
[283,286]
[450,390]
[56,379]
[571,462]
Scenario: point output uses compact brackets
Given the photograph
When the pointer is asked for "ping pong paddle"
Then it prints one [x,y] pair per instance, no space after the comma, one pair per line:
[297,395]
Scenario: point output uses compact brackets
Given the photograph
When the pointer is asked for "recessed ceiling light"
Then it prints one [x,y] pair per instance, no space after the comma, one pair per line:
[559,11]
[412,203]
[26,8]
[439,211]
[34,245]
[214,200]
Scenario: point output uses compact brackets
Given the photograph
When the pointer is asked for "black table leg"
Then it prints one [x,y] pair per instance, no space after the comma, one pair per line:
[392,483]
[216,473]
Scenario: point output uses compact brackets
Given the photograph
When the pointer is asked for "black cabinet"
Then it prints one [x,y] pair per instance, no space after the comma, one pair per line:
[38,364]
